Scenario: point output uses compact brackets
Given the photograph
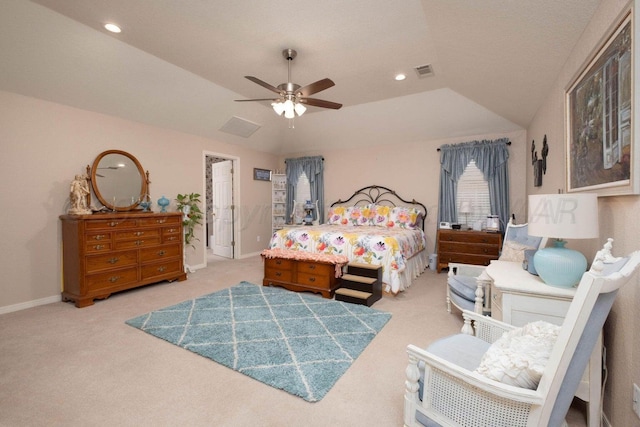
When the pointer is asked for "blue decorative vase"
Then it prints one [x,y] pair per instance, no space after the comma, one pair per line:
[163,202]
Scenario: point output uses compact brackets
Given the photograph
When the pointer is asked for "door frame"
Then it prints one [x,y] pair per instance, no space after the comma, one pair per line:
[235,188]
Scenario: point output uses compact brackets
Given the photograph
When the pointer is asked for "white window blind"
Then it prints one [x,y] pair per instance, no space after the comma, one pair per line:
[303,189]
[473,188]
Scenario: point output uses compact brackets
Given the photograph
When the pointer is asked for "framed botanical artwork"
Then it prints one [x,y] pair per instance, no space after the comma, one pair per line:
[261,174]
[601,147]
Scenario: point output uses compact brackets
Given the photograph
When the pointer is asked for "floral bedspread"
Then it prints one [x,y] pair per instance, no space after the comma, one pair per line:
[389,247]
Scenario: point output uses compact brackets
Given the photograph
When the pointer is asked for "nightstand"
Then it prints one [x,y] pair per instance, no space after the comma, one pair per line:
[467,247]
[518,297]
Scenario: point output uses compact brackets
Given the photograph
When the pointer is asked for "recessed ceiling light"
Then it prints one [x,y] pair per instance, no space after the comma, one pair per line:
[112,27]
[400,77]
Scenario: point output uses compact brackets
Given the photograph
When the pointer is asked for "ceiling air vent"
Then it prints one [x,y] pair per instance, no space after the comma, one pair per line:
[240,127]
[424,70]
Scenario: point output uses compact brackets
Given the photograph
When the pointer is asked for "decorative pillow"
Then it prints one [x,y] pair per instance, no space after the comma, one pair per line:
[380,215]
[401,217]
[359,215]
[336,215]
[513,251]
[519,357]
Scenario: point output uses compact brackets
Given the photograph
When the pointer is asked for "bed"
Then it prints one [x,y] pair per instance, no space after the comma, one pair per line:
[373,226]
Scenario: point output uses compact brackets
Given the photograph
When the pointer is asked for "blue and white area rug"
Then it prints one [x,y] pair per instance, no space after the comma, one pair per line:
[298,342]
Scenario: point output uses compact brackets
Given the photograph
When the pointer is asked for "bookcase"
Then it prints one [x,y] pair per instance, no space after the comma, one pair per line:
[278,201]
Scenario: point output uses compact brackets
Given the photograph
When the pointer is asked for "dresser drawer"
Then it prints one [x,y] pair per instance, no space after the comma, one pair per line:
[446,258]
[160,252]
[138,243]
[97,237]
[469,248]
[112,279]
[315,280]
[470,237]
[111,260]
[101,246]
[171,231]
[278,263]
[110,224]
[151,270]
[278,274]
[165,220]
[138,234]
[316,269]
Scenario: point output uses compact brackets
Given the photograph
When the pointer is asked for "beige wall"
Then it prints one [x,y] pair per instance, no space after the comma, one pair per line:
[618,219]
[43,145]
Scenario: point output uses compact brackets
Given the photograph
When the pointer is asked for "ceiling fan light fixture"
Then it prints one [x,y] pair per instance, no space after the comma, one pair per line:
[278,107]
[300,109]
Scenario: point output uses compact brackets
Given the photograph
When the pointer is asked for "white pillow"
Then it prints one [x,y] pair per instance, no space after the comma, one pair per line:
[519,357]
[513,251]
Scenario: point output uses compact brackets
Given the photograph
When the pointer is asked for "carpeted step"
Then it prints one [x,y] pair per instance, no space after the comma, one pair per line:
[354,297]
[365,270]
[359,279]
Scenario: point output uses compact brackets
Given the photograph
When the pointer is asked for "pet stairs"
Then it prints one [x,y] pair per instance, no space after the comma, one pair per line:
[362,284]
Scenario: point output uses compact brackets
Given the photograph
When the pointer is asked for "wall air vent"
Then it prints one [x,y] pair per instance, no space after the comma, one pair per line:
[424,70]
[240,127]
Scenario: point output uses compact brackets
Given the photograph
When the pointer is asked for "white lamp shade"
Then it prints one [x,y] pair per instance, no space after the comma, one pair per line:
[300,109]
[465,207]
[564,216]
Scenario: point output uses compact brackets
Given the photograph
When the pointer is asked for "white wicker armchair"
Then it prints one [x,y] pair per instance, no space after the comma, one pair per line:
[455,395]
[468,288]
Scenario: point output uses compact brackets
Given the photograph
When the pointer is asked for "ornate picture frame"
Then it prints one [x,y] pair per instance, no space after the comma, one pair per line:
[261,174]
[601,145]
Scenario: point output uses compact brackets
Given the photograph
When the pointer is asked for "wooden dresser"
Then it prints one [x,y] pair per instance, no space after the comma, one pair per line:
[106,253]
[467,247]
[300,275]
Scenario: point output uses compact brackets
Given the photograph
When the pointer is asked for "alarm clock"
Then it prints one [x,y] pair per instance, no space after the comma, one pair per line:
[445,225]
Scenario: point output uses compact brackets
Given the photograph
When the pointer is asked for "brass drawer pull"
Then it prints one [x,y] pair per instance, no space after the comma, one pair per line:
[114,279]
[161,221]
[278,274]
[98,247]
[172,230]
[312,267]
[172,238]
[161,253]
[278,262]
[113,260]
[138,233]
[139,242]
[113,223]
[312,279]
[162,269]
[99,237]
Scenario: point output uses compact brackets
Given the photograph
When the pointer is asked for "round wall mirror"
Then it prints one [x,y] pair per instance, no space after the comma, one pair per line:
[118,180]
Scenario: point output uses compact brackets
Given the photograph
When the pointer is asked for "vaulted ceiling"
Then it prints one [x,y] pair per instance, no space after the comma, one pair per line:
[180,64]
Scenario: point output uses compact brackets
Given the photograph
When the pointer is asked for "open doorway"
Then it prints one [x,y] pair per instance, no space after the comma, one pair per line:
[220,199]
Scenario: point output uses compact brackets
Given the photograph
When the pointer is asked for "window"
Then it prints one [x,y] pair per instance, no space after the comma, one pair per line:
[302,194]
[473,189]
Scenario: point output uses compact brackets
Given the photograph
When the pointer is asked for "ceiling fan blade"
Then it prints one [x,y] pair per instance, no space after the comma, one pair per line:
[316,87]
[321,103]
[261,99]
[264,84]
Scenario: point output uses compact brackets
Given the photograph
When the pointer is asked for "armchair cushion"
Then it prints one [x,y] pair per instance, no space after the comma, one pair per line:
[465,286]
[519,357]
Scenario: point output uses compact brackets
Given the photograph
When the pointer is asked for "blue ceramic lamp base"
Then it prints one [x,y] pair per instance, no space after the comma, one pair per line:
[559,266]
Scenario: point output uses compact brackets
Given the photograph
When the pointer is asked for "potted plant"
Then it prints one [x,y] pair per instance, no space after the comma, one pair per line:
[188,204]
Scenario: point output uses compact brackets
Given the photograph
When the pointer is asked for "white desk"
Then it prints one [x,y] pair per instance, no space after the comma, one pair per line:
[518,297]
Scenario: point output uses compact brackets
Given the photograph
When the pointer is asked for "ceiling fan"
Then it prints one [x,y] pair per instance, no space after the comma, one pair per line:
[292,97]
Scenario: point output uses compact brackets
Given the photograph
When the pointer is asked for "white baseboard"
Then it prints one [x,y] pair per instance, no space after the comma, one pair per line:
[30,304]
[250,255]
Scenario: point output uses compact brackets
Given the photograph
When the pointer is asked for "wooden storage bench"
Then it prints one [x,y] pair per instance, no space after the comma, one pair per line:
[302,271]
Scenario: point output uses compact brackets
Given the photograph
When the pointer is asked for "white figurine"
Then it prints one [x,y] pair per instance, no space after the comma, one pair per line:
[78,195]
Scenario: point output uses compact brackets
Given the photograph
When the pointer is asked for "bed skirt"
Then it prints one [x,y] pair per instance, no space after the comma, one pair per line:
[415,266]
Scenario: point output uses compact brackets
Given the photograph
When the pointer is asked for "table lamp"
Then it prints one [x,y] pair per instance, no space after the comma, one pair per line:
[465,208]
[562,216]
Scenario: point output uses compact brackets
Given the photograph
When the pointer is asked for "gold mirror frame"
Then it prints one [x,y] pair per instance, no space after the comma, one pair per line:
[124,173]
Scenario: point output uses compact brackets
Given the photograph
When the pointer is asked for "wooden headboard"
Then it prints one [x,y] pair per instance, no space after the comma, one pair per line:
[382,196]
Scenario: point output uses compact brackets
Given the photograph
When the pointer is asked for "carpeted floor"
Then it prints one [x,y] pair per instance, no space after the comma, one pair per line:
[297,342]
[67,366]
